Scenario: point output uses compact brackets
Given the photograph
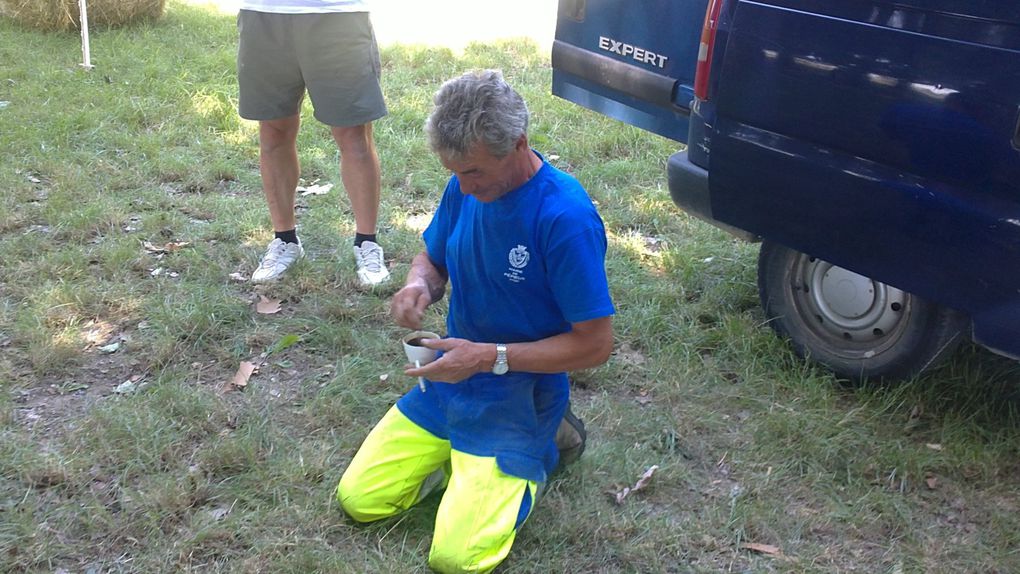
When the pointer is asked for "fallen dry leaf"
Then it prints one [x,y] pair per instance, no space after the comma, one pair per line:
[645,477]
[641,483]
[238,277]
[244,372]
[168,248]
[762,548]
[267,306]
[934,446]
[931,481]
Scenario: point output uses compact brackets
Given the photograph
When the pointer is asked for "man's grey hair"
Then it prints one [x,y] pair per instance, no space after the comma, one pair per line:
[477,107]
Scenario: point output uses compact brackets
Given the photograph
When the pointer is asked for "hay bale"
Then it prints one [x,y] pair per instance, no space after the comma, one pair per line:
[65,14]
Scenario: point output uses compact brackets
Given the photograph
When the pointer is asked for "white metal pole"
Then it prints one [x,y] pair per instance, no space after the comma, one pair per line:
[86,55]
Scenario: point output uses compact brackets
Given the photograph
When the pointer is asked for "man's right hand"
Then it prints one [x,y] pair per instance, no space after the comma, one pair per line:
[408,305]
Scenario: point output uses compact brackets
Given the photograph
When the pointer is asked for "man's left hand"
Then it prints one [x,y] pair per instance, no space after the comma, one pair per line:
[461,359]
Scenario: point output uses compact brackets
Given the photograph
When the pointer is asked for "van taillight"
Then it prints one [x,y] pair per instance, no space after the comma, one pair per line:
[705,50]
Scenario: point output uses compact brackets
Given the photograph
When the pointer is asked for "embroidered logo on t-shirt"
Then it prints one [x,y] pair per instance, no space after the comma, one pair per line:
[518,257]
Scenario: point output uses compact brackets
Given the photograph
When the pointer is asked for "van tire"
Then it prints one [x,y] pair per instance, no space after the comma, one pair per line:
[857,327]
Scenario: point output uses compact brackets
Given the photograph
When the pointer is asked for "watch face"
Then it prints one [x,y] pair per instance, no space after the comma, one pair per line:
[501,366]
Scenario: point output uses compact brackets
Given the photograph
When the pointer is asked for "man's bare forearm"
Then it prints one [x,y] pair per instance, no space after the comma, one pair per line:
[434,278]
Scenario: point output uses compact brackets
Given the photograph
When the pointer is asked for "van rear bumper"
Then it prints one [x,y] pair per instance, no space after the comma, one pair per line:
[688,186]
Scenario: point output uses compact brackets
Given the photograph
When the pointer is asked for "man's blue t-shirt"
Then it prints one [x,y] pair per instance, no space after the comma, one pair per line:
[522,268]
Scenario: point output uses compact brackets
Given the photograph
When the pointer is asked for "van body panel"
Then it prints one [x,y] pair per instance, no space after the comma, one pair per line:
[880,136]
[618,59]
[886,151]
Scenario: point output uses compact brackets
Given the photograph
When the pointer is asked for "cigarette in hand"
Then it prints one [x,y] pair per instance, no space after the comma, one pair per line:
[421,380]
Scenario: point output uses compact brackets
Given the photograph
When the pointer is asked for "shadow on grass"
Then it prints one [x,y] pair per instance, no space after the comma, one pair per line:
[974,384]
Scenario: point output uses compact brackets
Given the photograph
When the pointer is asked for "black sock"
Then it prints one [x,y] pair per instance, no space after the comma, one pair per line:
[360,237]
[287,236]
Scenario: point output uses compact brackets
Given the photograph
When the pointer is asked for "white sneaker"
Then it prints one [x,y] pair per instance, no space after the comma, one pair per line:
[371,266]
[278,258]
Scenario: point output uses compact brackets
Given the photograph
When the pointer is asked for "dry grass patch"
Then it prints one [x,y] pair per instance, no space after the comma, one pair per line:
[65,15]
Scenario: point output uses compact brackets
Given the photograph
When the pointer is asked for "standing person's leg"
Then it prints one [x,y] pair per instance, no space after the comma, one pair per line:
[342,69]
[359,170]
[270,89]
[280,169]
[388,474]
[278,163]
[479,515]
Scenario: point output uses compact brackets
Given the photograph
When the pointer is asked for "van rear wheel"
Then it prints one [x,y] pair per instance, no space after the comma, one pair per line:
[857,327]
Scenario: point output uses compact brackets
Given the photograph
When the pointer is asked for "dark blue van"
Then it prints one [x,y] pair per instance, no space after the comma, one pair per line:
[872,146]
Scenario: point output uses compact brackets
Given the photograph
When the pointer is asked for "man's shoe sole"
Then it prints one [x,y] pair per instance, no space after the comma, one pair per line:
[570,455]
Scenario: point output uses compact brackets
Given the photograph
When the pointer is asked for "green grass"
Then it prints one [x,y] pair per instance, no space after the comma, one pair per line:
[753,445]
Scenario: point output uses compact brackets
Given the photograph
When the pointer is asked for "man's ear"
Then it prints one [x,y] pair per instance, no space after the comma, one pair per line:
[522,143]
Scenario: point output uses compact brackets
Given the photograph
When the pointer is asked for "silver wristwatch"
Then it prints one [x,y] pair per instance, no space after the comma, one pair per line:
[500,367]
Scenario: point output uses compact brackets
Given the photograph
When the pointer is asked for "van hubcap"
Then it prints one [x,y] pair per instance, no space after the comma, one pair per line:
[847,305]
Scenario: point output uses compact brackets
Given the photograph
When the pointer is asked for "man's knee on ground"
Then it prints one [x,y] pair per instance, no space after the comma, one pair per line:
[451,564]
[359,503]
[451,556]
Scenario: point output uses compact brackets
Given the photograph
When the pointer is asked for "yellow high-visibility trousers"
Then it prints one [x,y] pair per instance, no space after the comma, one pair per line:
[481,509]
